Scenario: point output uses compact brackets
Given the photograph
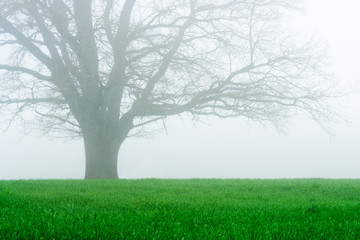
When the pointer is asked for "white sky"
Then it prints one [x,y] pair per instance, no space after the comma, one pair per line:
[225,148]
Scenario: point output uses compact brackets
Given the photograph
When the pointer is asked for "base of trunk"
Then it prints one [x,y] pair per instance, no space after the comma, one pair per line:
[101,160]
[101,174]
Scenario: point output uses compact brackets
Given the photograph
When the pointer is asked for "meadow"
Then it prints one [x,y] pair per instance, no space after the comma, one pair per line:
[180,209]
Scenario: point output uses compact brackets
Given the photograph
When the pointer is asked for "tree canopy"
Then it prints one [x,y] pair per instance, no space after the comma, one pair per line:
[104,69]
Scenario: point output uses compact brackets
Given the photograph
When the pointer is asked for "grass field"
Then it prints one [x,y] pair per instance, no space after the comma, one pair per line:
[180,209]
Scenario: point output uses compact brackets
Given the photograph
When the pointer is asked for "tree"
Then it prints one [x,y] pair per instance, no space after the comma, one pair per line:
[105,69]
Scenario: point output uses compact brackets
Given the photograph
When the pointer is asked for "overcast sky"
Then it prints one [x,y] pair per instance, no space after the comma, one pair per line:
[226,148]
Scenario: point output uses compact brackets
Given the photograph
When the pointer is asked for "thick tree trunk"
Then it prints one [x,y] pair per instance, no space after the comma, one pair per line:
[102,141]
[101,158]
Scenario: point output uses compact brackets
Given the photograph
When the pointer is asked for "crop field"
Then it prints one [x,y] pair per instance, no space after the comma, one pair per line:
[180,209]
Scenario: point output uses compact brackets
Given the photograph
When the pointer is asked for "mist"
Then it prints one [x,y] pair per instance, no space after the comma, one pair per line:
[232,148]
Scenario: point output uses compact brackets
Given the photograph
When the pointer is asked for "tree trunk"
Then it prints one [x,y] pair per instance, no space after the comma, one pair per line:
[101,157]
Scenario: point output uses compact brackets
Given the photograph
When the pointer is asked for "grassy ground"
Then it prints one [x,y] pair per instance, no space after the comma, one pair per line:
[180,209]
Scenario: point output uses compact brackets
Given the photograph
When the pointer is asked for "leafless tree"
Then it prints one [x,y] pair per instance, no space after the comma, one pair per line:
[102,69]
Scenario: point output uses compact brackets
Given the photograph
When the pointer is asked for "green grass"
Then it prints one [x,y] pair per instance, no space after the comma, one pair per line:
[180,209]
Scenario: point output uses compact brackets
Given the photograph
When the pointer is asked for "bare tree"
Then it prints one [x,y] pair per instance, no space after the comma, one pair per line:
[101,69]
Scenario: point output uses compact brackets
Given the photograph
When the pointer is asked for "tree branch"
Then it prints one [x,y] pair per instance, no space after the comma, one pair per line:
[26,71]
[166,60]
[32,100]
[23,40]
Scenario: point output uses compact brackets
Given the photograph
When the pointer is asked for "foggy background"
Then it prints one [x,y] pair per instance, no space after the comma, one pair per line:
[226,148]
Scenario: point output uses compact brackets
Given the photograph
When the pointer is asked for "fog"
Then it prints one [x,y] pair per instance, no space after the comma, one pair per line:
[233,148]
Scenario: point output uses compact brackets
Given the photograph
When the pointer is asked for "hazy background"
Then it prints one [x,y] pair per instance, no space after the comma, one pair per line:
[226,148]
